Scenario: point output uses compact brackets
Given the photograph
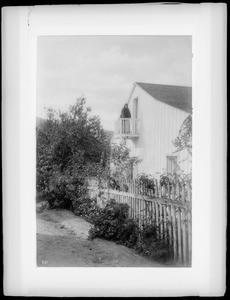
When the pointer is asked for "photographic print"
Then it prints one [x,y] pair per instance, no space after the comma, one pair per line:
[114,151]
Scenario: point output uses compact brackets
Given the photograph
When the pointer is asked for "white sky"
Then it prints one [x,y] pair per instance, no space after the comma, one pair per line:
[104,68]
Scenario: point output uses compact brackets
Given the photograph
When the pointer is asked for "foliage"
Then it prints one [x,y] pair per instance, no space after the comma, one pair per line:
[179,180]
[178,177]
[70,146]
[152,246]
[182,142]
[147,181]
[86,208]
[166,180]
[41,206]
[113,224]
[184,139]
[122,165]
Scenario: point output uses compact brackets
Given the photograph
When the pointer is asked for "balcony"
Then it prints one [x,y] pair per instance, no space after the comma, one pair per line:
[127,128]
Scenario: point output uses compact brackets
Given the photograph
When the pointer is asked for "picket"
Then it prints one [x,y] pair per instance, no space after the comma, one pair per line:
[168,207]
[179,236]
[170,225]
[165,222]
[160,191]
[184,235]
[156,188]
[174,233]
[189,236]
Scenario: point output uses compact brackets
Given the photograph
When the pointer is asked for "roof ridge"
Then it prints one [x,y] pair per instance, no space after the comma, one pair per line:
[179,97]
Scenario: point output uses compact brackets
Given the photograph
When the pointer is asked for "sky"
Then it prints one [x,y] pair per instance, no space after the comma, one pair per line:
[104,68]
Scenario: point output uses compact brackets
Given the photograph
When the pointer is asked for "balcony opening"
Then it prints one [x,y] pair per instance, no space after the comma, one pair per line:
[128,124]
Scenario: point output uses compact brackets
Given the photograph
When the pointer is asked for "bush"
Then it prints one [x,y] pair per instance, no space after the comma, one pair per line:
[62,191]
[166,180]
[113,224]
[71,146]
[147,181]
[152,246]
[86,208]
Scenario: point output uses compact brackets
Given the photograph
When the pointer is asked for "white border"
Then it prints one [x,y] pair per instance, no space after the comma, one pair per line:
[207,25]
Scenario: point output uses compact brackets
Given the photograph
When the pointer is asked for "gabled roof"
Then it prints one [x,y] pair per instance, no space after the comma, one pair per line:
[177,96]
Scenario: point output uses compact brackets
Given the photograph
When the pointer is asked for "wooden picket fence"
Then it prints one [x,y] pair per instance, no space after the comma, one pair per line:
[167,206]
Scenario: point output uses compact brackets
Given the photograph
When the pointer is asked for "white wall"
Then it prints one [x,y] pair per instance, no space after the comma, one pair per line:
[159,126]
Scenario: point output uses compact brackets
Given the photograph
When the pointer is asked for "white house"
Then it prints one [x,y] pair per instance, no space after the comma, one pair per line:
[157,113]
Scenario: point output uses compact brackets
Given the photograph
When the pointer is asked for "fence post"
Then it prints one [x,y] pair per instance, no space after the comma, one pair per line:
[160,190]
[189,237]
[179,235]
[165,222]
[156,188]
[173,192]
[174,232]
[168,191]
[170,224]
[184,236]
[173,220]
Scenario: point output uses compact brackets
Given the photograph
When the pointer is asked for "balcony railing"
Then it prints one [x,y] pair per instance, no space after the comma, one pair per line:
[127,127]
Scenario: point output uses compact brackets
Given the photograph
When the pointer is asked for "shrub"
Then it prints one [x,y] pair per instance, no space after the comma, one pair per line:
[71,146]
[86,208]
[151,245]
[129,233]
[147,181]
[113,224]
[62,191]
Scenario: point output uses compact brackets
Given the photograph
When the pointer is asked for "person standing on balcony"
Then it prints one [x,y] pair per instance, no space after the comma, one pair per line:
[125,114]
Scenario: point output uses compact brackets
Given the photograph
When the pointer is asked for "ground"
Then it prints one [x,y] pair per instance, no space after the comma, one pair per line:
[62,241]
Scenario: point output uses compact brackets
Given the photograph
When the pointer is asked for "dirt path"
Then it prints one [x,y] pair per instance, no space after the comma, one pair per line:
[62,242]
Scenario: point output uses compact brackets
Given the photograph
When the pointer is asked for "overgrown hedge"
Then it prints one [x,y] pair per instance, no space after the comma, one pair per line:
[113,223]
[87,209]
[152,246]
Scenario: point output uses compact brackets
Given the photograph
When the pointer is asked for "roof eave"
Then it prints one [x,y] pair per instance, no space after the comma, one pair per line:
[130,95]
[189,111]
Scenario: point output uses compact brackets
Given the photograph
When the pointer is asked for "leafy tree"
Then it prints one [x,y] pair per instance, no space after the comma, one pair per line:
[184,138]
[122,165]
[182,142]
[70,146]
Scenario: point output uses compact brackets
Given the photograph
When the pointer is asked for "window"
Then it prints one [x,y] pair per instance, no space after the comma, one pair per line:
[135,108]
[171,164]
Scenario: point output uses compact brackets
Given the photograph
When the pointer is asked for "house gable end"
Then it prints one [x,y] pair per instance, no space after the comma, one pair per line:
[179,97]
